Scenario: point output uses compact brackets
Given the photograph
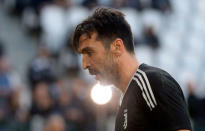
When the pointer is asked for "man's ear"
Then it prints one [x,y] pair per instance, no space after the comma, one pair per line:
[117,47]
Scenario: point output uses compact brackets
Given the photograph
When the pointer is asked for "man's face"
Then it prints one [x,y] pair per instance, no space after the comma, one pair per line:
[99,61]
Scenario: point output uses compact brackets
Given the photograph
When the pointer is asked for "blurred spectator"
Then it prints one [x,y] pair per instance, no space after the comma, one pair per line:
[31,16]
[90,4]
[161,5]
[58,87]
[68,61]
[55,123]
[40,68]
[43,104]
[19,6]
[150,38]
[54,26]
[196,108]
[10,90]
[38,4]
[136,4]
[140,5]
[76,108]
[19,117]
[6,81]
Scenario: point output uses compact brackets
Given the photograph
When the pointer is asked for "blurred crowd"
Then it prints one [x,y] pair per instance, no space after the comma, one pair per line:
[56,94]
[49,102]
[55,20]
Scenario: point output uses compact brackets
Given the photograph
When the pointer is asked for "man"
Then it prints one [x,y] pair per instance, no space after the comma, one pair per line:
[152,101]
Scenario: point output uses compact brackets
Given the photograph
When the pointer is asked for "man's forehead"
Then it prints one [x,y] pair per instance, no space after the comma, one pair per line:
[83,40]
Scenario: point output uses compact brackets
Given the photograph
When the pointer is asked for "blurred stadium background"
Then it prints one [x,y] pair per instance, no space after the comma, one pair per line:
[43,88]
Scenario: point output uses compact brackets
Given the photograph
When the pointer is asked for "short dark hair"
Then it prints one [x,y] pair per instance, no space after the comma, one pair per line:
[109,24]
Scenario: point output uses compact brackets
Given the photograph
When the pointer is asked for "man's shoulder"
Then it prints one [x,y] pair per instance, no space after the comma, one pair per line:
[159,80]
[151,70]
[154,73]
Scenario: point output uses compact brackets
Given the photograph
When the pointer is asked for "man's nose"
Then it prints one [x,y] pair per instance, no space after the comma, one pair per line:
[85,62]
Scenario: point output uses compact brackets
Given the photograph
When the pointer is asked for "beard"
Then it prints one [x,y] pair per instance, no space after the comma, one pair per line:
[110,71]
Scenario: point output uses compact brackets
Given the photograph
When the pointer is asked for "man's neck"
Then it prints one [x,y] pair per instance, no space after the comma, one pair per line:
[128,67]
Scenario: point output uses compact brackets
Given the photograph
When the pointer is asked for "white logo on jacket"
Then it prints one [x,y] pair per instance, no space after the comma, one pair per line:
[125,119]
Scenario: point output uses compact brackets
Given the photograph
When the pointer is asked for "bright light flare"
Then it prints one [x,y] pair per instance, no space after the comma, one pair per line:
[101,94]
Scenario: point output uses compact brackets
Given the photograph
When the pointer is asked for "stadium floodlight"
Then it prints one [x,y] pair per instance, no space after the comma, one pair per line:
[101,94]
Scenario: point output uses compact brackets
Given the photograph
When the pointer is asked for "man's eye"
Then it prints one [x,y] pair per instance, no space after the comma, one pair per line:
[89,53]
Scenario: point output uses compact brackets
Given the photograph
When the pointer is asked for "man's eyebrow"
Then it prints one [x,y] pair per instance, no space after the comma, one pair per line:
[86,49]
